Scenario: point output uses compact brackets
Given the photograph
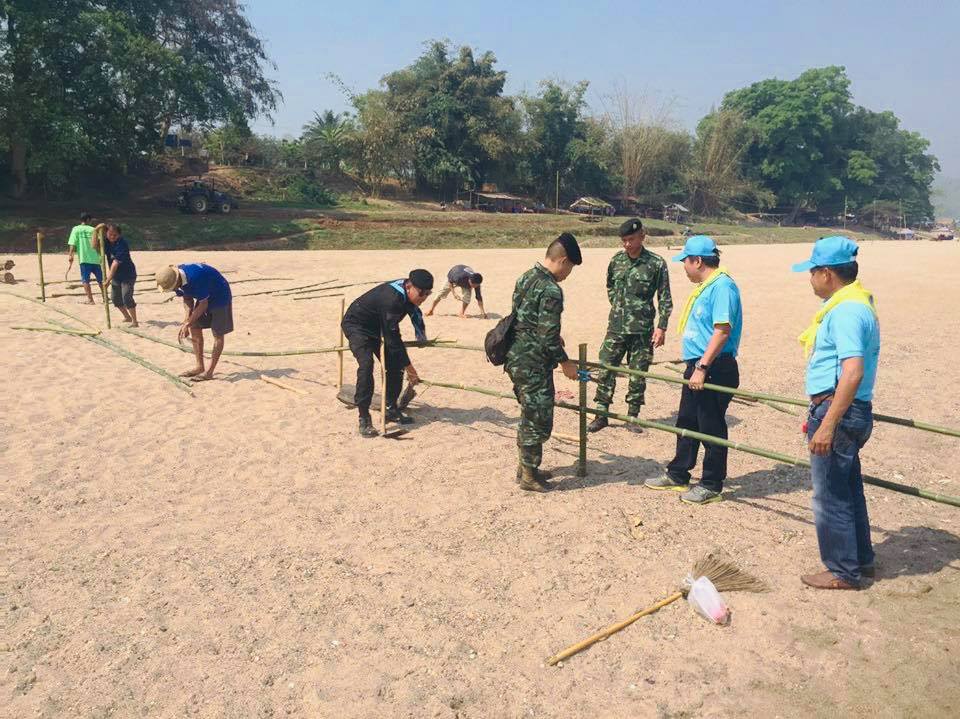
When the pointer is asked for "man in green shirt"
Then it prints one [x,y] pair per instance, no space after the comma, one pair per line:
[80,244]
[634,276]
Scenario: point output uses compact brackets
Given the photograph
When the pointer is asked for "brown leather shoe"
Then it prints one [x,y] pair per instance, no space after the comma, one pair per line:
[826,580]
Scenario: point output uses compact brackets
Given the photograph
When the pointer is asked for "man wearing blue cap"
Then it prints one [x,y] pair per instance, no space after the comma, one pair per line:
[711,325]
[843,344]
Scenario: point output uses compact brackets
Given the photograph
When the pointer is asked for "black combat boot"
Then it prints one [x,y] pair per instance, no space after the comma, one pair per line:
[366,427]
[395,415]
[598,423]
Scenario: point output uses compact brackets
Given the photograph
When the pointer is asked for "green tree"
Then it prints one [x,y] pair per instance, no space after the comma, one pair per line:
[90,87]
[453,110]
[797,148]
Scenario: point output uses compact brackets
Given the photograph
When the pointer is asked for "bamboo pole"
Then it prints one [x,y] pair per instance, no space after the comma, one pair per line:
[179,383]
[285,290]
[582,454]
[43,289]
[383,389]
[49,307]
[317,297]
[64,331]
[343,303]
[760,396]
[103,268]
[768,454]
[468,388]
[337,287]
[710,439]
[283,385]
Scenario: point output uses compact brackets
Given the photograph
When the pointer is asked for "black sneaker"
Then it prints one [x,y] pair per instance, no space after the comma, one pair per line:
[598,423]
[395,415]
[366,428]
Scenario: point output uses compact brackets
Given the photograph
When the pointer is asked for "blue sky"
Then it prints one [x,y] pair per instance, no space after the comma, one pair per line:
[900,56]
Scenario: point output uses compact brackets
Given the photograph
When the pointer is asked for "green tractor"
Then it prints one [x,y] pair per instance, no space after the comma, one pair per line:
[200,197]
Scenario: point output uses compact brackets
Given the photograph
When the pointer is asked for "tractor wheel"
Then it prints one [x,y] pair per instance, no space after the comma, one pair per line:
[8,278]
[225,208]
[198,203]
[9,265]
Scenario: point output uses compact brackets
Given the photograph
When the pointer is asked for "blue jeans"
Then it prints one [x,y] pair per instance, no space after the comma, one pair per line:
[839,507]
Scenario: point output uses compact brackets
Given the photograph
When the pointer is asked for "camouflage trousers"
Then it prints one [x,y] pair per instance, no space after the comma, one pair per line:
[638,350]
[533,387]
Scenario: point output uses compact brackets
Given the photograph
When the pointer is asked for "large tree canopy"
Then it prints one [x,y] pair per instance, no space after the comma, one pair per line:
[812,147]
[94,85]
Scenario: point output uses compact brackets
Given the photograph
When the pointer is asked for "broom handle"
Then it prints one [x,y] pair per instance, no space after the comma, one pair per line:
[612,629]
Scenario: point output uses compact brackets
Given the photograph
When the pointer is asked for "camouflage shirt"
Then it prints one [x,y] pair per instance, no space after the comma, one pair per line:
[631,285]
[536,338]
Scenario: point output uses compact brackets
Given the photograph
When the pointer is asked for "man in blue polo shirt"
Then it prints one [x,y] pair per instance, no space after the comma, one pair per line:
[208,303]
[711,325]
[843,344]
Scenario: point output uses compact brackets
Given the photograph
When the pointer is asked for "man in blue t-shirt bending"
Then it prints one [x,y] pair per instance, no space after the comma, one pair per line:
[208,303]
[843,344]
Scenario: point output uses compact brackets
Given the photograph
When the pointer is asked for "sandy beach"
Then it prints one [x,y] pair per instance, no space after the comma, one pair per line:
[244,553]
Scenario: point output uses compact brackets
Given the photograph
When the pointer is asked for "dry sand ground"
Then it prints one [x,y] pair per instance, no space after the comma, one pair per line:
[245,554]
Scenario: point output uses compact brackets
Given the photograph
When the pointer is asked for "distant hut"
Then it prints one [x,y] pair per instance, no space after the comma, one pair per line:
[499,202]
[675,212]
[592,206]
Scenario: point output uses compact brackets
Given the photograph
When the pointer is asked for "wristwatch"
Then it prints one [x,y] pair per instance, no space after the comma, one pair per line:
[701,365]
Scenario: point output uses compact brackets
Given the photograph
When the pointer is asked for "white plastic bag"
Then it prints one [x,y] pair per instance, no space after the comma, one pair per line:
[707,602]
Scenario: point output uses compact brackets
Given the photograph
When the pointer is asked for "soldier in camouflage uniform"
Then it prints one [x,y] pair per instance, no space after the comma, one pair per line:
[535,351]
[635,274]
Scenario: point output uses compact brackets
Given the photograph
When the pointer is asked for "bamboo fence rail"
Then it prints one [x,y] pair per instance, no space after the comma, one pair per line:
[760,396]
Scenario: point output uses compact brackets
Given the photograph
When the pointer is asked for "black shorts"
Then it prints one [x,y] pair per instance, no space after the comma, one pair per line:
[217,319]
[122,293]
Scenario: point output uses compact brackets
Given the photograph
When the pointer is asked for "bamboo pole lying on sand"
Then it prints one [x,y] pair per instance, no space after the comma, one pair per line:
[336,287]
[283,353]
[315,285]
[64,331]
[710,439]
[49,307]
[317,297]
[760,396]
[176,381]
[278,383]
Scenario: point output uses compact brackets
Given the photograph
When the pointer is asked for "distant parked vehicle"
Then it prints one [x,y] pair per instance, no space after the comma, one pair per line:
[200,197]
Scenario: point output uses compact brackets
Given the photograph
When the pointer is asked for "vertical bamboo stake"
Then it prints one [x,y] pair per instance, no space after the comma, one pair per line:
[383,388]
[343,303]
[582,459]
[103,270]
[43,289]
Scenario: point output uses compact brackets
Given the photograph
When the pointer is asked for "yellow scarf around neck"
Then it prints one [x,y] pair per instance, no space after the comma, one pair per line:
[688,308]
[854,292]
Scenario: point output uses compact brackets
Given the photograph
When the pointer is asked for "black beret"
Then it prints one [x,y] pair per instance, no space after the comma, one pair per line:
[630,226]
[421,279]
[570,247]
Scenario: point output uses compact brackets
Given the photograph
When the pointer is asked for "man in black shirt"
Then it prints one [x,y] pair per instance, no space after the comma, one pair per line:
[374,315]
[467,280]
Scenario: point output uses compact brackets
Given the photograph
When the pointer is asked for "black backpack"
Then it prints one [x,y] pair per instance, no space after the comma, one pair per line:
[498,340]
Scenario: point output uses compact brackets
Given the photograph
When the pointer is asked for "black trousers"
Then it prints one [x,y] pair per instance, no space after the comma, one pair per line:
[705,411]
[365,349]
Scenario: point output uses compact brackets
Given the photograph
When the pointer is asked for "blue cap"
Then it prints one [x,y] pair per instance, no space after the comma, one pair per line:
[698,246]
[827,251]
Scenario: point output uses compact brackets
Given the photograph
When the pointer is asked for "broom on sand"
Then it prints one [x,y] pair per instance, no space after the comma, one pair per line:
[724,573]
